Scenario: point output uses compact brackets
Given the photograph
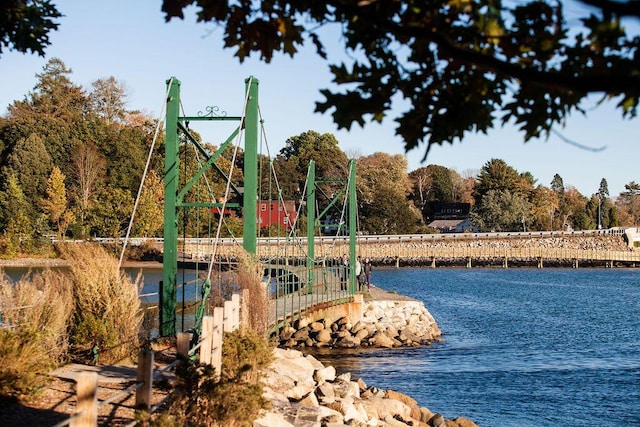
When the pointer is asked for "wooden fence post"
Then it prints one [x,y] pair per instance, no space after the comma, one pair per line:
[216,340]
[235,299]
[207,336]
[145,375]
[183,344]
[87,400]
[228,316]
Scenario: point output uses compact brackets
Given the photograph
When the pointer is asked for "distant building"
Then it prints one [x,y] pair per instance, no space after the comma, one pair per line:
[451,218]
[269,213]
[273,212]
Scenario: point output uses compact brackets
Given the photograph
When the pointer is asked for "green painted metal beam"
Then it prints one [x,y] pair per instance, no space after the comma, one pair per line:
[171,177]
[311,222]
[250,197]
[353,218]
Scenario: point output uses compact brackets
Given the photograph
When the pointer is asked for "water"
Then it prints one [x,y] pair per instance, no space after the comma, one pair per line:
[522,347]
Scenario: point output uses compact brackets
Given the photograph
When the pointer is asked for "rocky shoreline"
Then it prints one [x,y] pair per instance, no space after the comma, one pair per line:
[387,321]
[304,392]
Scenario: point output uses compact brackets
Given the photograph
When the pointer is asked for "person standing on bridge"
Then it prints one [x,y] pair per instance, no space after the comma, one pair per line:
[367,273]
[359,274]
[344,272]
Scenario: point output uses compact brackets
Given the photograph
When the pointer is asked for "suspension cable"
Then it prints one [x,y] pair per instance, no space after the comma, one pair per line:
[144,174]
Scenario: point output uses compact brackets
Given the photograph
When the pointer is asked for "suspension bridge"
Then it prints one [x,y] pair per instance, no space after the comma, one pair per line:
[292,288]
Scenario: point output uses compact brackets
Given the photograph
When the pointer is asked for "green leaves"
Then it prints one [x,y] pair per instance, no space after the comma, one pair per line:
[25,25]
[460,64]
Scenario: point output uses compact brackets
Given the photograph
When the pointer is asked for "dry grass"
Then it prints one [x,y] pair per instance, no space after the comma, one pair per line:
[33,336]
[107,319]
[250,277]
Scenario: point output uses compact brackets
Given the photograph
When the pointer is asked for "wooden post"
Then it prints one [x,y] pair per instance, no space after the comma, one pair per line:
[144,375]
[216,340]
[87,400]
[183,344]
[207,335]
[235,299]
[228,316]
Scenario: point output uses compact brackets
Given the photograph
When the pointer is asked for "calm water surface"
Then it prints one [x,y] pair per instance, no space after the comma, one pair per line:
[522,347]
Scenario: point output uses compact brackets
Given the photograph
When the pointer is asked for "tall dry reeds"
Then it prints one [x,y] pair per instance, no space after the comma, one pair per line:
[107,316]
[249,275]
[34,322]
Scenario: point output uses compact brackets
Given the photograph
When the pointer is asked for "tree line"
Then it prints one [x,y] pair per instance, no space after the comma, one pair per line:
[72,158]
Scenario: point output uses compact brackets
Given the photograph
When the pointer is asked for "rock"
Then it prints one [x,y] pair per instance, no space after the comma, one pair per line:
[425,415]
[325,374]
[326,393]
[316,326]
[380,339]
[461,422]
[271,419]
[324,336]
[437,421]
[409,401]
[301,334]
[309,400]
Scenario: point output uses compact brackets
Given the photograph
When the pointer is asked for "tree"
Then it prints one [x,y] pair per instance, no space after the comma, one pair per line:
[557,185]
[383,187]
[55,201]
[544,207]
[31,164]
[602,193]
[331,161]
[111,212]
[108,99]
[462,66]
[150,214]
[88,172]
[431,184]
[25,25]
[497,175]
[629,203]
[501,210]
[16,216]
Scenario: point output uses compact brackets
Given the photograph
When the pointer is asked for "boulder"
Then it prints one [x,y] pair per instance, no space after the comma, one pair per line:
[325,374]
[324,336]
[380,339]
[271,419]
[407,400]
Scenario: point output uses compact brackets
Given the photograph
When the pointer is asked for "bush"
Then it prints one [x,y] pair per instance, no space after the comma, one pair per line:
[233,400]
[33,337]
[107,317]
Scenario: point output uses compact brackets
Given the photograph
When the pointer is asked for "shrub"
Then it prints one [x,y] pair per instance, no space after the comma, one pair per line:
[33,336]
[236,399]
[107,317]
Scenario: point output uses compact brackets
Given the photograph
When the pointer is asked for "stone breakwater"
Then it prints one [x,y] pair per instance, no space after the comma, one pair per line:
[304,392]
[384,324]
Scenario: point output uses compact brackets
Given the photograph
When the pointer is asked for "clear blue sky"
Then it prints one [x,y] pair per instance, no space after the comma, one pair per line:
[131,41]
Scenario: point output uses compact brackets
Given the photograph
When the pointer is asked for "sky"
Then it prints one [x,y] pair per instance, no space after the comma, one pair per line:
[132,42]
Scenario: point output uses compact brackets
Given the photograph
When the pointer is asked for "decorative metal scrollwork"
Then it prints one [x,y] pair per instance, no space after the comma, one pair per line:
[212,111]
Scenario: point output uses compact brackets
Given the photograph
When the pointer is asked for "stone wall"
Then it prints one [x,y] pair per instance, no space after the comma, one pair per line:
[384,323]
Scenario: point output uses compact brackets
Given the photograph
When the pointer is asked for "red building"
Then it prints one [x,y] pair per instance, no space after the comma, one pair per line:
[273,212]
